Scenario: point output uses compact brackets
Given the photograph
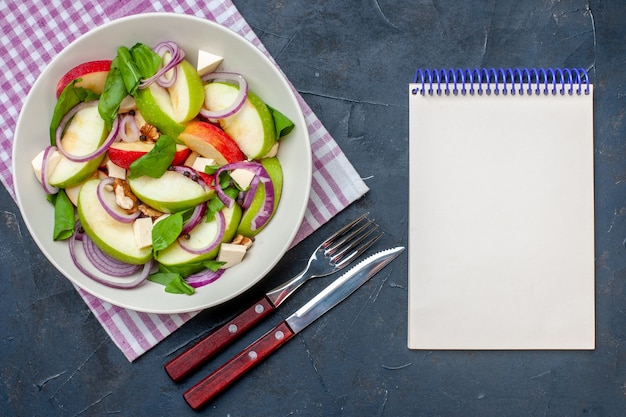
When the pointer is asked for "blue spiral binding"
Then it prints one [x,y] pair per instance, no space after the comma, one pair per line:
[502,80]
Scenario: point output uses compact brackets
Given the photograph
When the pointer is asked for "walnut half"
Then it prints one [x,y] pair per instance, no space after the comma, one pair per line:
[124,196]
[242,240]
[149,132]
[149,211]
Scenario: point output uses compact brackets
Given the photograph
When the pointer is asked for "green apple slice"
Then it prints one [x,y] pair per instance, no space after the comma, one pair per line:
[83,135]
[252,127]
[201,236]
[274,170]
[171,192]
[114,238]
[168,109]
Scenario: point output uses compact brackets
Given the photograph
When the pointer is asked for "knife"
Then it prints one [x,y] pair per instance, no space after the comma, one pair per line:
[326,259]
[208,388]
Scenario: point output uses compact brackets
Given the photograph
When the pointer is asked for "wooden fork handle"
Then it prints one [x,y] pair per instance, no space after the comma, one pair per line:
[185,363]
[208,388]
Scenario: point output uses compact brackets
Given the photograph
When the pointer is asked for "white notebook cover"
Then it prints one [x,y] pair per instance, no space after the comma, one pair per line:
[501,221]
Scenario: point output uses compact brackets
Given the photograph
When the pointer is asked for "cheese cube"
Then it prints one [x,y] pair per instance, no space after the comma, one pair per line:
[37,163]
[201,162]
[231,254]
[207,62]
[143,232]
[115,171]
[243,177]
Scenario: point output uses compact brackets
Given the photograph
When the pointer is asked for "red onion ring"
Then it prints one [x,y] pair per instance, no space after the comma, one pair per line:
[254,166]
[110,283]
[112,136]
[128,123]
[261,176]
[105,263]
[221,227]
[107,200]
[190,173]
[248,195]
[237,104]
[45,175]
[265,213]
[204,277]
[177,56]
[194,220]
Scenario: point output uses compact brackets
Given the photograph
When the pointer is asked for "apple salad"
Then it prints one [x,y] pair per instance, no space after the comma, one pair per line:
[159,170]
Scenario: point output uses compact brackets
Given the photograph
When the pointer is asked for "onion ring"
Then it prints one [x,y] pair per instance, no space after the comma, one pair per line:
[160,77]
[194,220]
[140,279]
[190,173]
[221,227]
[112,136]
[236,105]
[45,168]
[204,277]
[129,123]
[254,166]
[105,263]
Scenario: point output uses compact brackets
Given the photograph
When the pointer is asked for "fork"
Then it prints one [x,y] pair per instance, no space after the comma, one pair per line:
[333,254]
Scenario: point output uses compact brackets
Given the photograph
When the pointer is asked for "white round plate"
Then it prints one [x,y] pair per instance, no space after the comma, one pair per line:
[192,34]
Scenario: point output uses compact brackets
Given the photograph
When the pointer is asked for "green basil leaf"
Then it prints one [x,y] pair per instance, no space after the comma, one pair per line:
[69,98]
[213,265]
[112,95]
[173,282]
[179,286]
[147,61]
[162,278]
[130,73]
[64,216]
[224,179]
[215,204]
[211,169]
[166,231]
[157,161]
[184,270]
[283,124]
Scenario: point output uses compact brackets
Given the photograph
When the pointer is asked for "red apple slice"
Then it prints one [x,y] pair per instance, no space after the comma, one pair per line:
[125,153]
[211,142]
[93,74]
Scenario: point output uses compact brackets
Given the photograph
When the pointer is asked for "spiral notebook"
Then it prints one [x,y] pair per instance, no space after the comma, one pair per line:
[501,210]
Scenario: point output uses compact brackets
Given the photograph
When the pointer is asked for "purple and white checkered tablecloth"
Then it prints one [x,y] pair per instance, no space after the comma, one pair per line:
[33,32]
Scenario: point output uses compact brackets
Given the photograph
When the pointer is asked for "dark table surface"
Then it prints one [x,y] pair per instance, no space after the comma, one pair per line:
[352,61]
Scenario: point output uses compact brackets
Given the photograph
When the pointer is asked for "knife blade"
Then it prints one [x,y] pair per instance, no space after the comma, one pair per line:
[208,388]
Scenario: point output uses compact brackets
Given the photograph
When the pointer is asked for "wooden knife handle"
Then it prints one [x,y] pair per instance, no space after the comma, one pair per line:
[209,387]
[192,358]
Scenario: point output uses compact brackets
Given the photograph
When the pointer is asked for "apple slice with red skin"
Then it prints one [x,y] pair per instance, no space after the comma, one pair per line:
[211,142]
[123,154]
[93,74]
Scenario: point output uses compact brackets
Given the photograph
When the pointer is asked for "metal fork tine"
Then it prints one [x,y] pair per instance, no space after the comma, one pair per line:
[348,236]
[331,239]
[359,251]
[352,240]
[330,256]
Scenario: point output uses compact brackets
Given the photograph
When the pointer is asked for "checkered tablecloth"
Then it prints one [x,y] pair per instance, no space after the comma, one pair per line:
[34,32]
